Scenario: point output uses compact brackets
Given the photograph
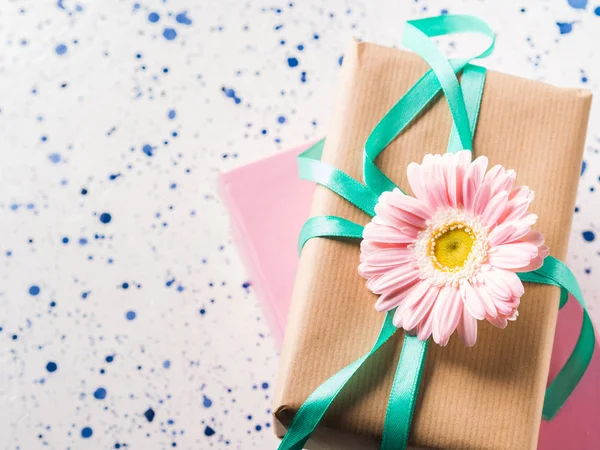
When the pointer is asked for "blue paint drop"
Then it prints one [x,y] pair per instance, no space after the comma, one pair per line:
[265,385]
[300,47]
[171,114]
[149,414]
[34,290]
[125,285]
[130,315]
[147,149]
[588,235]
[166,364]
[51,366]
[61,49]
[153,17]
[231,94]
[341,60]
[258,428]
[100,393]
[208,431]
[54,157]
[206,402]
[169,34]
[578,4]
[565,27]
[183,18]
[109,358]
[292,62]
[83,241]
[65,240]
[105,217]
[281,119]
[597,11]
[583,167]
[86,432]
[303,77]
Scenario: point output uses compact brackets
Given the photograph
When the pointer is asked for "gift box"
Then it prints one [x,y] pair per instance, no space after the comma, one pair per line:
[489,396]
[265,225]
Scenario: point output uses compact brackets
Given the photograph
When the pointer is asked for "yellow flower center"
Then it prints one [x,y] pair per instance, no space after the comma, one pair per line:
[450,246]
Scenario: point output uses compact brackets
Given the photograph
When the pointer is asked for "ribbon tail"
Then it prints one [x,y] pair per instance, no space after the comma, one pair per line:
[404,393]
[555,273]
[314,408]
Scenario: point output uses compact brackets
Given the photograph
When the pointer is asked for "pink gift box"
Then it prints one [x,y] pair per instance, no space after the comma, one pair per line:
[268,205]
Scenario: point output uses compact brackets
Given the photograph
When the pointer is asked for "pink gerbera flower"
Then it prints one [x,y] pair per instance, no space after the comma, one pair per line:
[449,256]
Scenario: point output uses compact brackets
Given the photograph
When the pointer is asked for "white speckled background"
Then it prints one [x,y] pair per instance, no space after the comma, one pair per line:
[125,317]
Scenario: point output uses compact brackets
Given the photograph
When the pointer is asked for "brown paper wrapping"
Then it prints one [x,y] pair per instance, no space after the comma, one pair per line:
[489,396]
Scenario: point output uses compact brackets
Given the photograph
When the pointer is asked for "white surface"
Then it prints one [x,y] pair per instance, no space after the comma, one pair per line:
[112,105]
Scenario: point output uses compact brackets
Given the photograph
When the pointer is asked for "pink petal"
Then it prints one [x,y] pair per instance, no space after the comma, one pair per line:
[420,210]
[463,158]
[413,172]
[482,198]
[386,257]
[486,299]
[460,175]
[536,262]
[467,328]
[392,298]
[534,237]
[446,314]
[512,256]
[511,280]
[415,306]
[507,232]
[384,233]
[494,208]
[471,301]
[394,279]
[477,170]
[425,328]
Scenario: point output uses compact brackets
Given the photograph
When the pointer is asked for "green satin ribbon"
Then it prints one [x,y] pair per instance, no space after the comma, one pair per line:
[464,102]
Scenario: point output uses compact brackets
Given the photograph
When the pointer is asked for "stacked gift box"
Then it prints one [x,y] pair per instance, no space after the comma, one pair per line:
[489,396]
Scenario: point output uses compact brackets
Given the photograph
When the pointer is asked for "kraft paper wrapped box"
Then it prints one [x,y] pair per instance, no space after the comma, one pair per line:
[489,396]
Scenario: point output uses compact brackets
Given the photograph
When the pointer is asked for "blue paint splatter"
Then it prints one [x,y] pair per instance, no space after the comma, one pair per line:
[583,167]
[65,240]
[588,235]
[100,393]
[83,241]
[578,4]
[153,17]
[281,119]
[208,431]
[59,3]
[169,34]
[149,414]
[303,77]
[565,27]
[86,432]
[341,60]
[109,358]
[172,114]
[114,176]
[51,366]
[292,62]
[61,49]
[206,402]
[105,217]
[183,18]
[34,290]
[130,315]
[597,11]
[265,385]
[54,157]
[147,149]
[231,94]
[166,364]
[125,285]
